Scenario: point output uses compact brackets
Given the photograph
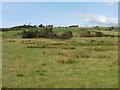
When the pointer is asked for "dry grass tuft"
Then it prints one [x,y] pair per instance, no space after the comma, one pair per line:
[100,55]
[27,42]
[68,48]
[12,41]
[105,48]
[58,43]
[66,61]
[32,46]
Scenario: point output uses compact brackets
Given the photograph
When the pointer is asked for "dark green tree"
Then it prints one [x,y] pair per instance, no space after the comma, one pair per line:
[40,25]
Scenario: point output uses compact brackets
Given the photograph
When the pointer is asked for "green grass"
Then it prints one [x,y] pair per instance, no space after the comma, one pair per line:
[94,44]
[107,32]
[25,67]
[73,63]
[74,30]
[10,34]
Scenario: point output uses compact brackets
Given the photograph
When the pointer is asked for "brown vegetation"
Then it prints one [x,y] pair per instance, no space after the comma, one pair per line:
[65,35]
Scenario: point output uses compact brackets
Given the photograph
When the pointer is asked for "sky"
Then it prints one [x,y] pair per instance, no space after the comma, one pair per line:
[59,13]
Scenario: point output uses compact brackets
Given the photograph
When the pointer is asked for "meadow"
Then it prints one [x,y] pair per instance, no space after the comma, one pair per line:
[79,62]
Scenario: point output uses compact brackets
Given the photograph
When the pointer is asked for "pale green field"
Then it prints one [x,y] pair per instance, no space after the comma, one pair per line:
[53,63]
[108,32]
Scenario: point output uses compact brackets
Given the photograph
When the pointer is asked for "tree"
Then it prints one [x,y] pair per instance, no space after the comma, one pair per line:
[111,28]
[97,26]
[34,26]
[40,25]
[51,26]
[29,24]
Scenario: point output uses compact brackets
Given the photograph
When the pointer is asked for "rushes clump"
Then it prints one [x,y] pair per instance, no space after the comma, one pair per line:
[20,75]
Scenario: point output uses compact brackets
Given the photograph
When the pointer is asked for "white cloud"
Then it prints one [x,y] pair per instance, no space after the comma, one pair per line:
[111,3]
[99,20]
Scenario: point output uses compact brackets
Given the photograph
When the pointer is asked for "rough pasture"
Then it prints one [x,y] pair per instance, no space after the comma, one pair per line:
[79,62]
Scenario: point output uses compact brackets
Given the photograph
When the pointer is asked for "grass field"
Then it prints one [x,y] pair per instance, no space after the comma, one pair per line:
[79,62]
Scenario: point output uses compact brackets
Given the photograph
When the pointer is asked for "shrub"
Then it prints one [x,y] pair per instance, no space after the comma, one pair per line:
[65,35]
[92,34]
[86,34]
[46,33]
[98,34]
[52,35]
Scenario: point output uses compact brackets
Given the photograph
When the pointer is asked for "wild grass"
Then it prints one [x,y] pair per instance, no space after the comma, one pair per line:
[66,60]
[41,72]
[11,40]
[20,75]
[52,63]
[95,44]
[68,48]
[106,48]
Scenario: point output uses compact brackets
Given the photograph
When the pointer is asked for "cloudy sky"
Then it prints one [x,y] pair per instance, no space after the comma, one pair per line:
[60,13]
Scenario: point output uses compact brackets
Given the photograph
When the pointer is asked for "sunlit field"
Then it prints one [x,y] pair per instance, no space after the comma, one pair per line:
[79,62]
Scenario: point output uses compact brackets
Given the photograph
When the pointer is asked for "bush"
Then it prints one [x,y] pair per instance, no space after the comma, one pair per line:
[46,33]
[98,34]
[86,34]
[92,34]
[65,35]
[30,34]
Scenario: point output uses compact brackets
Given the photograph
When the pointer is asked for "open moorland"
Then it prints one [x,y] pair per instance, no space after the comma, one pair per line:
[77,62]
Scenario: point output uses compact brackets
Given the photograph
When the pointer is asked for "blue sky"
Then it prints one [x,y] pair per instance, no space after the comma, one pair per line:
[59,13]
